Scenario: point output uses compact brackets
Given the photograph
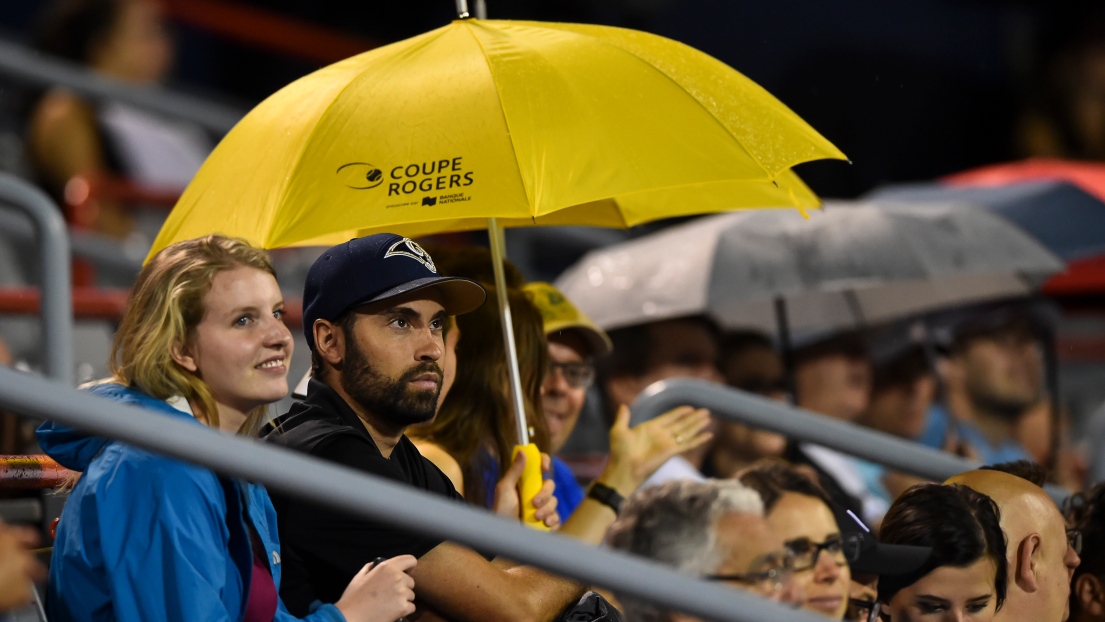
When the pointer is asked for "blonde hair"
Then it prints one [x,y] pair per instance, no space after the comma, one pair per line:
[162,313]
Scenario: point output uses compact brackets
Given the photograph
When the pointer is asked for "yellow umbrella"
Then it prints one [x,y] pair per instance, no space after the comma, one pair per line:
[491,119]
[485,123]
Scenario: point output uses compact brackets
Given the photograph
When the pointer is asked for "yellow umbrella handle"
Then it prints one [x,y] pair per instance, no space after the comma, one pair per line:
[530,484]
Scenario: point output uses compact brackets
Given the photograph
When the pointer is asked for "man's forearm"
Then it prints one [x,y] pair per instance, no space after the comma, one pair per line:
[461,585]
[548,594]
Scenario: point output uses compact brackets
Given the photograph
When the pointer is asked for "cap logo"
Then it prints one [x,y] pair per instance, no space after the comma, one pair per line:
[409,248]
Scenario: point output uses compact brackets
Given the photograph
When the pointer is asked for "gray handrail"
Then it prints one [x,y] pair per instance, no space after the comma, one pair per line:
[30,66]
[103,251]
[379,499]
[760,412]
[57,292]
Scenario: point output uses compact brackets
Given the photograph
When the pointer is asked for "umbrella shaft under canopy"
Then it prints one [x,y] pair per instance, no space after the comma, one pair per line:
[498,254]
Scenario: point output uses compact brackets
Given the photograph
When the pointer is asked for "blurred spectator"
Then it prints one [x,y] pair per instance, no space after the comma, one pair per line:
[713,529]
[902,390]
[748,362]
[574,342]
[1065,116]
[1041,553]
[966,576]
[903,386]
[992,376]
[799,512]
[833,377]
[18,567]
[125,40]
[646,353]
[1085,512]
[1036,430]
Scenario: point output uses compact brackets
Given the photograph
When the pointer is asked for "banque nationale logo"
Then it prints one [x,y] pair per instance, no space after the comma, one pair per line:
[435,175]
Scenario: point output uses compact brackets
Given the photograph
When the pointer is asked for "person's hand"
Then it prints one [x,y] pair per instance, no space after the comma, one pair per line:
[636,453]
[382,592]
[954,443]
[18,566]
[507,503]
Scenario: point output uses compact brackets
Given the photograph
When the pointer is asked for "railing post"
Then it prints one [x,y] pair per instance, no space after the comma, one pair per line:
[57,287]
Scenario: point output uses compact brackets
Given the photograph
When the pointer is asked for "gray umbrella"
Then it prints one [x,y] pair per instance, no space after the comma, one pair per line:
[848,265]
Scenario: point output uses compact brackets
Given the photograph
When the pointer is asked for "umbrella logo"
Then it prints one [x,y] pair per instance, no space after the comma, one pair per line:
[360,175]
[411,249]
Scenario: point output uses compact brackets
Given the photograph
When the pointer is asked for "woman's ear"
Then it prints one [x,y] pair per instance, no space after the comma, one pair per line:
[183,356]
[1090,596]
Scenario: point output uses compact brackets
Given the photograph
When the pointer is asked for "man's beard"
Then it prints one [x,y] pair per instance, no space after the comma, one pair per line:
[393,400]
[1005,407]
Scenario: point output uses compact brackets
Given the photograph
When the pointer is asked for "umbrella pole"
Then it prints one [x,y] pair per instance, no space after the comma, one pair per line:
[1051,372]
[531,481]
[783,327]
[498,254]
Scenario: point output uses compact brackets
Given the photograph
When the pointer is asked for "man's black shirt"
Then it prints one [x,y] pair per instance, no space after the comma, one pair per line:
[323,548]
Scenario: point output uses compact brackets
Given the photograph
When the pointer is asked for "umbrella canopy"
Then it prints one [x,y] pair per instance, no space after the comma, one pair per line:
[848,265]
[499,119]
[1061,203]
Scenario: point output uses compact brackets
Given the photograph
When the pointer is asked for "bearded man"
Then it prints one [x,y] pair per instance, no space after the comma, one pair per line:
[374,315]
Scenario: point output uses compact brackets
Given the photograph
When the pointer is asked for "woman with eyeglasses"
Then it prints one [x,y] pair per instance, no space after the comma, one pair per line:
[965,577]
[799,512]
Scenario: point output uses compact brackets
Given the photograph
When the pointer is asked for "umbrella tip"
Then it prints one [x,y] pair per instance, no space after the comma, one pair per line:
[462,9]
[803,212]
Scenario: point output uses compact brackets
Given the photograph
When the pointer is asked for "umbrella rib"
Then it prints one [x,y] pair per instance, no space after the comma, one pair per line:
[530,197]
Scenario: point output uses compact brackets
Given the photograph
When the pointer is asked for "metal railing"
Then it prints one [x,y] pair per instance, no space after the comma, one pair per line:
[57,294]
[760,412]
[382,500]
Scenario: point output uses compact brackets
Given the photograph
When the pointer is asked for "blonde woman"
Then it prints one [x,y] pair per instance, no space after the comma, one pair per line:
[145,537]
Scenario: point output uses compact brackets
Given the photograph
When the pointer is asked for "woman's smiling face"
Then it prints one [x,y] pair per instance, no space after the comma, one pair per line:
[949,594]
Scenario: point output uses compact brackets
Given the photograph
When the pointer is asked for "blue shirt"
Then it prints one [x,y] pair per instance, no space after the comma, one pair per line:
[939,423]
[569,494]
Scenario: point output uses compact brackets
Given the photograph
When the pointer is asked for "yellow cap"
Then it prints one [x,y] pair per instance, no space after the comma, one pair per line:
[560,314]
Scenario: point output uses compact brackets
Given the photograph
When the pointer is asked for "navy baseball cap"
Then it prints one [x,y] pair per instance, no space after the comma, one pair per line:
[375,268]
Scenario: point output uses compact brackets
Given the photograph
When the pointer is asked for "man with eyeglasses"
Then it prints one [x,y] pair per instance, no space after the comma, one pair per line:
[635,453]
[714,529]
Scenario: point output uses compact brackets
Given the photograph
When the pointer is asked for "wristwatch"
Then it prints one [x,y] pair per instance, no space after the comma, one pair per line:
[606,495]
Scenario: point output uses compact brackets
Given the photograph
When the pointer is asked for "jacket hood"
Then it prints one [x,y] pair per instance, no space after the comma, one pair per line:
[75,449]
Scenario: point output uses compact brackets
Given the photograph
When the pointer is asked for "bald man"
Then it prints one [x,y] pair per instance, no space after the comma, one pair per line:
[1041,561]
